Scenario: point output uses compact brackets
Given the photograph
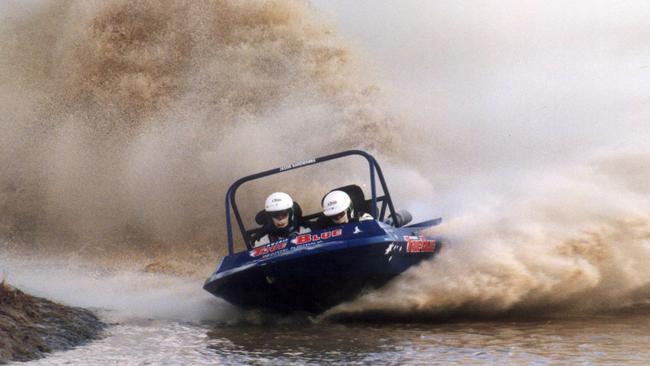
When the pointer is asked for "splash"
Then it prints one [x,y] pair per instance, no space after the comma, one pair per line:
[128,120]
[117,292]
[573,243]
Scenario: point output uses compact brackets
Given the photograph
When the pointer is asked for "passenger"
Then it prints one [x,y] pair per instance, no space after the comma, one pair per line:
[282,220]
[338,210]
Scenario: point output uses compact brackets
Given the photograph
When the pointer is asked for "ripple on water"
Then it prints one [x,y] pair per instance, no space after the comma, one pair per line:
[616,339]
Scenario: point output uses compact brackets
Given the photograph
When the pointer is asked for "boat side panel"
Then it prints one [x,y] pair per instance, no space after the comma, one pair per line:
[304,244]
[315,274]
[316,282]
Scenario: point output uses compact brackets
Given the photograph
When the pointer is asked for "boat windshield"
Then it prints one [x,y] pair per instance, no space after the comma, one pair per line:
[367,196]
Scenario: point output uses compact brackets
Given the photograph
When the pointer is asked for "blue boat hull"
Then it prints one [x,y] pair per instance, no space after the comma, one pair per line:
[322,273]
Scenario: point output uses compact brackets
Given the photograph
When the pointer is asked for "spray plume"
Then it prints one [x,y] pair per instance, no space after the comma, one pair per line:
[573,243]
[125,122]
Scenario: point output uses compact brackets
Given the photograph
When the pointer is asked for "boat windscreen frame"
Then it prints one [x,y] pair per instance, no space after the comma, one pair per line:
[374,169]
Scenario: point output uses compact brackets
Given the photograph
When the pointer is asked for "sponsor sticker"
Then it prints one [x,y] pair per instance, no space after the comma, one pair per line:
[268,248]
[416,244]
[312,238]
[308,238]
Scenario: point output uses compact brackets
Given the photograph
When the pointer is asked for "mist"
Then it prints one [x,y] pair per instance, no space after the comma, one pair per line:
[524,125]
[124,123]
[537,133]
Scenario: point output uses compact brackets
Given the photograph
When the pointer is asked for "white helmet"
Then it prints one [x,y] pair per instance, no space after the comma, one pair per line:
[336,202]
[278,201]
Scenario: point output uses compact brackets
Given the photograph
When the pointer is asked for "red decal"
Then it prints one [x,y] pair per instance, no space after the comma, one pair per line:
[269,248]
[308,238]
[302,239]
[256,252]
[420,245]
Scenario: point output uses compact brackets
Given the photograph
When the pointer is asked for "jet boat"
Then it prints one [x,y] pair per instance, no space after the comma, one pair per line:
[315,271]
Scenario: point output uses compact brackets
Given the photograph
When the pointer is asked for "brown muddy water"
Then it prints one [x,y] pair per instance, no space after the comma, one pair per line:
[523,125]
[605,339]
[158,319]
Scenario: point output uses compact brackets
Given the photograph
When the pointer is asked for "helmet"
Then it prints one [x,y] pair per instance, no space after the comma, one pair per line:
[335,203]
[279,205]
[278,201]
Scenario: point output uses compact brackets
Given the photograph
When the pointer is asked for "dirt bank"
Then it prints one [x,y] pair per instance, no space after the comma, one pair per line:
[30,326]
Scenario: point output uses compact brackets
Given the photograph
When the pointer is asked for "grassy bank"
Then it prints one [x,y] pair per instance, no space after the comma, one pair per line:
[31,327]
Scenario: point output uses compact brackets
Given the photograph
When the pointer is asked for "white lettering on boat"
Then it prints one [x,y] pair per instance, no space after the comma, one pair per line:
[297,164]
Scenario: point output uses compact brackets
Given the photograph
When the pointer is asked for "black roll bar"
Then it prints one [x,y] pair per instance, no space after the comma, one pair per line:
[373,166]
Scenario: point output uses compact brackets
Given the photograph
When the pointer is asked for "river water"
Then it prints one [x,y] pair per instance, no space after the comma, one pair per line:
[524,125]
[158,319]
[606,339]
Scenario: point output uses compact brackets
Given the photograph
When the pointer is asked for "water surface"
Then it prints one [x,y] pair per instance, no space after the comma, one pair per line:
[605,339]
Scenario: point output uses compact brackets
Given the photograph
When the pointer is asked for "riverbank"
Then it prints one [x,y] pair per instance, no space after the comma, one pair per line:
[31,327]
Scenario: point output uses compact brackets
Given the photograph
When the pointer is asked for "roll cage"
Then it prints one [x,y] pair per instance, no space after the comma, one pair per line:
[374,169]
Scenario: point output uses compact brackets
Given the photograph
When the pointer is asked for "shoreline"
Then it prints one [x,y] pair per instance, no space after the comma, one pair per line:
[32,327]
